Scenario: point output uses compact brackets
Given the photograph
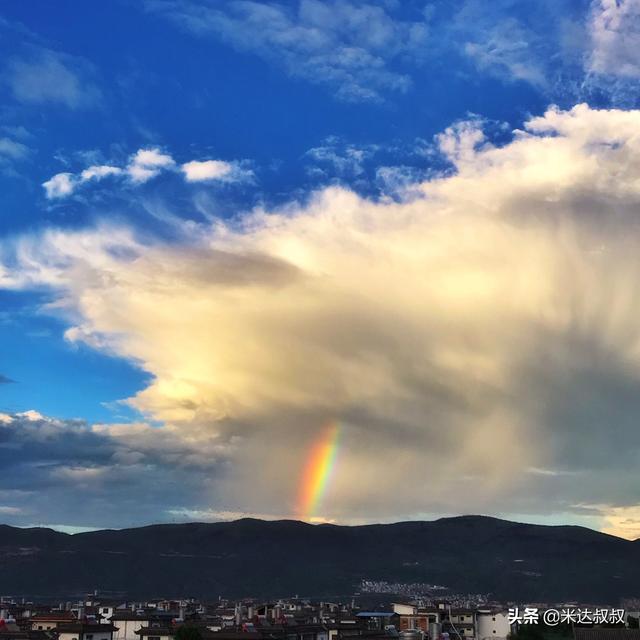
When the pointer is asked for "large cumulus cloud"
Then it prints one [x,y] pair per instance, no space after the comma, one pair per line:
[478,343]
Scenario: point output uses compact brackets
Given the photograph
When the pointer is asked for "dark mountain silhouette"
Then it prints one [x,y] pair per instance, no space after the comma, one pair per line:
[471,554]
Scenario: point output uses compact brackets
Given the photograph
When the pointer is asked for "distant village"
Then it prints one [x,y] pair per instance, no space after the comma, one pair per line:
[101,618]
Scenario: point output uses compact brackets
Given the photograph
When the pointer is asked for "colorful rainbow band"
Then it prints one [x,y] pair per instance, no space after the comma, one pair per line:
[318,470]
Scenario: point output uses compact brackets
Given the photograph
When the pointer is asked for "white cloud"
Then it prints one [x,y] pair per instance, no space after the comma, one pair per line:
[64,184]
[480,330]
[217,170]
[615,34]
[144,165]
[98,172]
[147,164]
[31,415]
[198,171]
[461,141]
[60,185]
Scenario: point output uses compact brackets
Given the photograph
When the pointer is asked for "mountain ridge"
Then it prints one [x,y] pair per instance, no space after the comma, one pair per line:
[253,557]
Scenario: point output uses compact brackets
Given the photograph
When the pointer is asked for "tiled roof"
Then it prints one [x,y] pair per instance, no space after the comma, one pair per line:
[85,627]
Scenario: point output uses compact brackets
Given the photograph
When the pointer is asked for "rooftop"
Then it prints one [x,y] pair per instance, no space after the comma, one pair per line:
[85,627]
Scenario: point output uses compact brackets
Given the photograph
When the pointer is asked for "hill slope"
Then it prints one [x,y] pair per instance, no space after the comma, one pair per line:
[254,557]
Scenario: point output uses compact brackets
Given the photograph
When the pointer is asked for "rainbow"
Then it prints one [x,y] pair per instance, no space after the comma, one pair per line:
[318,470]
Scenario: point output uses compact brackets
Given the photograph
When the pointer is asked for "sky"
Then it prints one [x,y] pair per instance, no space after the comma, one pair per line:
[343,261]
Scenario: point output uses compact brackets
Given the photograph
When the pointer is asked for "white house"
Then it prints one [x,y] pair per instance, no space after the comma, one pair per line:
[492,623]
[128,622]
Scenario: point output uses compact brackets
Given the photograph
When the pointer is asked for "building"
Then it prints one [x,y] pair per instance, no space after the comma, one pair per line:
[492,623]
[460,624]
[378,620]
[410,617]
[82,630]
[129,622]
[52,620]
[156,633]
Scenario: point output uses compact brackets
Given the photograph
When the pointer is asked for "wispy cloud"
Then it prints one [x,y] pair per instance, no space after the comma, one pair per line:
[541,43]
[41,76]
[366,51]
[13,149]
[358,49]
[385,170]
[506,51]
[337,158]
[569,52]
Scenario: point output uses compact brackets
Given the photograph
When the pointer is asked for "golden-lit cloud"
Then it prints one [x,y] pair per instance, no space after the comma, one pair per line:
[483,329]
[623,522]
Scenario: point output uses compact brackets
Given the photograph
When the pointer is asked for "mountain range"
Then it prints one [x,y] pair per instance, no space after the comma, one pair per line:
[248,557]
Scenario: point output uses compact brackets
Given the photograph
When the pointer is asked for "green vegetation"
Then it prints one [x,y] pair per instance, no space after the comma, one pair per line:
[188,632]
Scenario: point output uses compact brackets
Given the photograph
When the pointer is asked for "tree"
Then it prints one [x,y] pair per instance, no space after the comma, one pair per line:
[527,632]
[188,632]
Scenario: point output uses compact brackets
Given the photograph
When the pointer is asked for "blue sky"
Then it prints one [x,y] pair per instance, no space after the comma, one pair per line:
[161,152]
[163,86]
